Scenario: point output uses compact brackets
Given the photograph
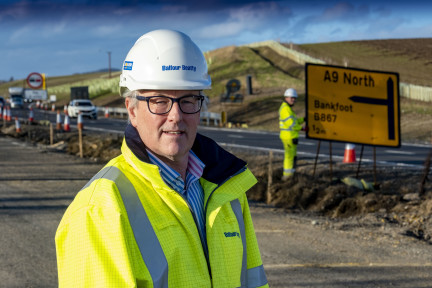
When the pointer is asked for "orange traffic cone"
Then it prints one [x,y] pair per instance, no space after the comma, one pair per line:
[17,125]
[106,112]
[31,116]
[349,156]
[64,109]
[53,107]
[80,122]
[58,121]
[66,126]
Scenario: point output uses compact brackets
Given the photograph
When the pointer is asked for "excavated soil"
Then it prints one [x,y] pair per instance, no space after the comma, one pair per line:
[398,196]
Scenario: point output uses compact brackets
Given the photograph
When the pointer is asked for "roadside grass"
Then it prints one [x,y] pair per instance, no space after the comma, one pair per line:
[411,58]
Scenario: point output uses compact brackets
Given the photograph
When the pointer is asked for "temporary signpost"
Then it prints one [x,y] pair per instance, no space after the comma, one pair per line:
[352,105]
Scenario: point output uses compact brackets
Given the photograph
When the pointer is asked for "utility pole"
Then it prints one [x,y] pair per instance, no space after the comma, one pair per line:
[109,64]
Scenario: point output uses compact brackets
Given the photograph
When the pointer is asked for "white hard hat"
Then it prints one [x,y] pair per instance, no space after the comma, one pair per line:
[290,92]
[165,60]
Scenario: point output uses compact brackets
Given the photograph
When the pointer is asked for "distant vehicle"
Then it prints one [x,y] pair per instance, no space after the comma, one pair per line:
[84,106]
[16,102]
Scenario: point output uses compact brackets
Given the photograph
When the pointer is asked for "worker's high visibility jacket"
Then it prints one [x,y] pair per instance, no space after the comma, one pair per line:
[127,228]
[289,124]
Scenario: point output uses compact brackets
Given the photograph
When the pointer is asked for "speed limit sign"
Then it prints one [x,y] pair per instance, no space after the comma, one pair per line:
[35,80]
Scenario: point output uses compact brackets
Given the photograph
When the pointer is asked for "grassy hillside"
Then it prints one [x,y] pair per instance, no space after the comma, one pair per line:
[411,58]
[272,74]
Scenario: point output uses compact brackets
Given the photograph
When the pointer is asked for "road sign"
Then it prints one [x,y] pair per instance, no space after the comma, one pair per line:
[35,80]
[352,105]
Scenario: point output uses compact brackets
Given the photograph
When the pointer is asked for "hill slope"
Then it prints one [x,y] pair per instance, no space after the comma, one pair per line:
[272,73]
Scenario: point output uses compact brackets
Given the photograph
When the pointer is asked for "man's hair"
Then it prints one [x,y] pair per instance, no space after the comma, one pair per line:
[132,96]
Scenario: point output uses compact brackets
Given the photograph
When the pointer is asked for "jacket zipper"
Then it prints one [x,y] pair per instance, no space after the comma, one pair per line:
[205,211]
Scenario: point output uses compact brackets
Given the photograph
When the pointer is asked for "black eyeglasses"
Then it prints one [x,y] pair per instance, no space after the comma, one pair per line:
[189,104]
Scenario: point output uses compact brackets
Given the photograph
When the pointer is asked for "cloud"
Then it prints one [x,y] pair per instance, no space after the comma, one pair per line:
[247,18]
[107,30]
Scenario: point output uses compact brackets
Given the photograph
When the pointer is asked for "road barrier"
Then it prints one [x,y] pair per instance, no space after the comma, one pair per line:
[208,116]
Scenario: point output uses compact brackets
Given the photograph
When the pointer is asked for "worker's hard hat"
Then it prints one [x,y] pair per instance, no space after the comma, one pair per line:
[165,60]
[290,92]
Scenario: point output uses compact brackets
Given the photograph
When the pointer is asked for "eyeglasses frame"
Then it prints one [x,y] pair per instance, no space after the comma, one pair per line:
[173,100]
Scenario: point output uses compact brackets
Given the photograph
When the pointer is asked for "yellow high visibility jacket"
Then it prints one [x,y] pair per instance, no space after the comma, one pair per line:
[127,228]
[289,124]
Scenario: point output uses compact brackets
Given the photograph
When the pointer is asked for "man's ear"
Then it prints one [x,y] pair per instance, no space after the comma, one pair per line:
[131,111]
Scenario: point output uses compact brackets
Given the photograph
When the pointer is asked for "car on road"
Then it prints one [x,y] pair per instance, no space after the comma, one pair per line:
[17,102]
[83,106]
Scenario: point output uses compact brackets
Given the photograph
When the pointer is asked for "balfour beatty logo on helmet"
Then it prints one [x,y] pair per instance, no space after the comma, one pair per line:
[178,67]
[127,65]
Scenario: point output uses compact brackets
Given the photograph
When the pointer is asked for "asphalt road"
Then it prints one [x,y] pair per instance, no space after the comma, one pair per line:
[36,186]
[408,155]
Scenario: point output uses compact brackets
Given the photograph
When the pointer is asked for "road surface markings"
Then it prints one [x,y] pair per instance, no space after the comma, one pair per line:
[399,152]
[235,136]
[339,265]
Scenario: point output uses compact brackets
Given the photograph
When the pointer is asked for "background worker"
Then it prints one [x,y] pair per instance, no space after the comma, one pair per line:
[289,125]
[171,210]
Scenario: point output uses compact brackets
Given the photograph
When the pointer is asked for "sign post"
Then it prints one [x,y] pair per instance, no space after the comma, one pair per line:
[352,105]
[35,80]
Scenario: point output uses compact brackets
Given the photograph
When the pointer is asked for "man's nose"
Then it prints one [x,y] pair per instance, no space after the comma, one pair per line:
[175,113]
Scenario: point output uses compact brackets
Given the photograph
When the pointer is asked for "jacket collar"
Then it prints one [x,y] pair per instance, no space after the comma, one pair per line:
[219,163]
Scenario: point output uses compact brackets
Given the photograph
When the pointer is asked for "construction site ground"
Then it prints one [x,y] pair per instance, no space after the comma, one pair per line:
[301,246]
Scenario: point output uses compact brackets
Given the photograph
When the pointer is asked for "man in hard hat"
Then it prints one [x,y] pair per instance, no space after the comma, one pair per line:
[171,210]
[289,125]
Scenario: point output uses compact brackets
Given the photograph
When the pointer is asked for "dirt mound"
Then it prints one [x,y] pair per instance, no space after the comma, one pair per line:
[395,197]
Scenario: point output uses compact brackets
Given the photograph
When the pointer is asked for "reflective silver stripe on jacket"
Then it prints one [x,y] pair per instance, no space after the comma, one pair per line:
[254,277]
[145,237]
[282,124]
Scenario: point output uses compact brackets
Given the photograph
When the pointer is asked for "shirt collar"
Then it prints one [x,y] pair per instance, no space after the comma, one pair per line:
[172,178]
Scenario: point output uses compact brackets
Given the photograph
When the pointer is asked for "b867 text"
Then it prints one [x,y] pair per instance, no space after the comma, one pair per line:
[323,117]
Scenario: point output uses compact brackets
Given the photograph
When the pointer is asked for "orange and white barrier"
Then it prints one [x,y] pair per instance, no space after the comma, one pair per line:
[17,125]
[9,114]
[106,112]
[349,156]
[31,116]
[58,120]
[66,125]
[80,123]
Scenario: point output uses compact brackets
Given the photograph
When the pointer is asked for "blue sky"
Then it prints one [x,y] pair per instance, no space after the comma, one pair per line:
[66,37]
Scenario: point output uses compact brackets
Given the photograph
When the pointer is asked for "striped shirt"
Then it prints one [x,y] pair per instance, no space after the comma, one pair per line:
[191,190]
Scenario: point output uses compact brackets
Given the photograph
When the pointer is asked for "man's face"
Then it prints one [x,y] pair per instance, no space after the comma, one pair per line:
[290,100]
[169,136]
